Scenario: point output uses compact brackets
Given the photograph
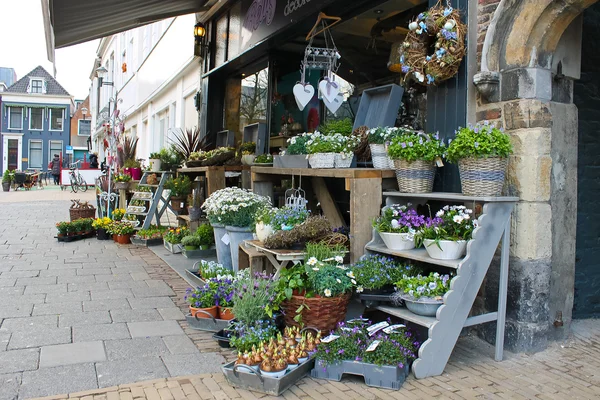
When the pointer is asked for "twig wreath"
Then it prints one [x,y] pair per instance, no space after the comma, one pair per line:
[439,29]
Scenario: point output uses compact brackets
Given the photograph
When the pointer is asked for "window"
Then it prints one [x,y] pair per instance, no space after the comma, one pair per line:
[15,118]
[36,119]
[56,147]
[84,128]
[56,119]
[35,154]
[36,86]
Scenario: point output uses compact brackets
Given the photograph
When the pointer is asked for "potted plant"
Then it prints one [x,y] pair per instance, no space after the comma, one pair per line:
[7,178]
[247,151]
[173,237]
[180,187]
[63,229]
[232,211]
[202,300]
[149,237]
[423,295]
[122,181]
[117,214]
[294,155]
[255,298]
[264,160]
[379,138]
[321,150]
[445,237]
[155,162]
[225,296]
[482,154]
[195,205]
[102,225]
[190,242]
[206,236]
[264,227]
[415,155]
[123,232]
[397,226]
[133,168]
[248,336]
[377,274]
[345,146]
[286,218]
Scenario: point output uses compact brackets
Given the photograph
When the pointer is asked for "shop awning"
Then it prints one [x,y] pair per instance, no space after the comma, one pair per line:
[69,22]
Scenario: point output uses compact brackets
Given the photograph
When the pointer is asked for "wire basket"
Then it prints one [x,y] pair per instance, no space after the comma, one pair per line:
[482,176]
[415,176]
[322,160]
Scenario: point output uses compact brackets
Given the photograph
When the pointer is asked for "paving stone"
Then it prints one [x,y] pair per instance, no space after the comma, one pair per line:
[171,313]
[94,271]
[135,348]
[20,274]
[67,297]
[20,324]
[191,364]
[127,285]
[77,279]
[39,336]
[112,373]
[57,308]
[159,328]
[12,290]
[19,360]
[7,282]
[151,302]
[106,305]
[140,276]
[153,292]
[9,386]
[135,315]
[129,269]
[84,318]
[4,339]
[21,310]
[72,353]
[180,344]
[89,333]
[59,272]
[87,286]
[114,278]
[8,300]
[62,265]
[47,280]
[111,294]
[51,288]
[65,379]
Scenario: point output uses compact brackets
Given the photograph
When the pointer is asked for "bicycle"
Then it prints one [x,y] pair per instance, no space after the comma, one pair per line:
[77,181]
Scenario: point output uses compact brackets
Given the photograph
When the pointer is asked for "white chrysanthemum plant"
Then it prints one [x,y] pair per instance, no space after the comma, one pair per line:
[234,207]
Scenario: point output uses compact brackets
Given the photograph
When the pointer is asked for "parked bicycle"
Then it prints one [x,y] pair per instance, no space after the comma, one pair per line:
[77,181]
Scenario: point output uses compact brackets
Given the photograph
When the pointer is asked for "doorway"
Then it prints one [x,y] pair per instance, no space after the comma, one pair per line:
[12,152]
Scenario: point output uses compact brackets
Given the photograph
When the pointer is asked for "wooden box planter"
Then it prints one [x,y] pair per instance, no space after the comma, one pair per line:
[173,248]
[290,161]
[199,253]
[146,242]
[386,376]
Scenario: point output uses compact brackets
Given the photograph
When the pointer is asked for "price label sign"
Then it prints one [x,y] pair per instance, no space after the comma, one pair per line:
[225,239]
[329,339]
[373,346]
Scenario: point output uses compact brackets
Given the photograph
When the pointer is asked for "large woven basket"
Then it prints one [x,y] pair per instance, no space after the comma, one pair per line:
[77,213]
[322,160]
[482,176]
[323,313]
[380,158]
[415,176]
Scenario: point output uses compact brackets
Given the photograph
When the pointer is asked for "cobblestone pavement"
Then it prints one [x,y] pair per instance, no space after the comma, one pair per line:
[116,319]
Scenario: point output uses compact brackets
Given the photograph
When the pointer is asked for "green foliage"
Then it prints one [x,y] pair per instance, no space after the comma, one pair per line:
[255,298]
[170,158]
[121,228]
[175,235]
[450,223]
[211,269]
[297,145]
[290,279]
[432,286]
[395,349]
[323,252]
[479,141]
[411,146]
[191,241]
[180,186]
[349,346]
[187,141]
[377,271]
[205,234]
[122,178]
[62,227]
[263,159]
[265,215]
[335,143]
[203,296]
[8,176]
[328,280]
[381,135]
[154,232]
[343,126]
[132,163]
[247,148]
[154,156]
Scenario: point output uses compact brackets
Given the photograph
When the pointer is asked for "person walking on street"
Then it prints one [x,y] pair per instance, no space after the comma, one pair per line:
[55,164]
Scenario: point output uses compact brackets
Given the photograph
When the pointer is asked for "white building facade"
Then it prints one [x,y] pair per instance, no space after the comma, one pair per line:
[155,76]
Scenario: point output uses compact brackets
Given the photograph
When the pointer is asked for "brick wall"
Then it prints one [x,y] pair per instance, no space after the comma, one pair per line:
[485,12]
[587,100]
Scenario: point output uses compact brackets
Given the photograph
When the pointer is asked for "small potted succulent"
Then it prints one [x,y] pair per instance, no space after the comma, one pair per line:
[247,152]
[202,300]
[423,295]
[397,226]
[446,235]
[190,242]
[155,162]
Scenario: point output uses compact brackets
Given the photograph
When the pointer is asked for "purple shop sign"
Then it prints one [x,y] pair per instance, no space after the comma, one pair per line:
[260,11]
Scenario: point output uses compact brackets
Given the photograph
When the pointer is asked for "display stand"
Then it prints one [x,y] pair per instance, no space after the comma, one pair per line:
[364,184]
[453,315]
[279,258]
[154,210]
[214,175]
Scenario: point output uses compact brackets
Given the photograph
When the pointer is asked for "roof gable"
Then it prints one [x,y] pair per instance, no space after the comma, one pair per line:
[53,87]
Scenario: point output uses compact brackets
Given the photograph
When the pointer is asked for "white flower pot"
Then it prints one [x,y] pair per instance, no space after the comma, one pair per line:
[248,159]
[263,231]
[322,160]
[450,250]
[154,164]
[398,241]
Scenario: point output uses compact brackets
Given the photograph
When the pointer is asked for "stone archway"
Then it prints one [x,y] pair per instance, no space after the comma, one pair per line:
[523,88]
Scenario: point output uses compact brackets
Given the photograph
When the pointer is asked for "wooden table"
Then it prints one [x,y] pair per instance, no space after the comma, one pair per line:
[279,258]
[214,175]
[364,184]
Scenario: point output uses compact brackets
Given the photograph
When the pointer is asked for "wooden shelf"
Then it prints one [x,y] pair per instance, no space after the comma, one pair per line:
[407,315]
[147,185]
[415,254]
[137,213]
[327,172]
[458,197]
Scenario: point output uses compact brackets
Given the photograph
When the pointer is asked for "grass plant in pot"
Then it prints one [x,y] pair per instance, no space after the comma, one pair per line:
[379,138]
[191,242]
[415,156]
[203,300]
[482,153]
[102,225]
[423,295]
[397,226]
[446,235]
[180,187]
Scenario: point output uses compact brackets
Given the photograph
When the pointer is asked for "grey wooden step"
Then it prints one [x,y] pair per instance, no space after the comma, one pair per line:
[414,254]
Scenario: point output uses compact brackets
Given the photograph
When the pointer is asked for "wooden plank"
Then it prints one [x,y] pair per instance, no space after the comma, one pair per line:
[263,189]
[415,254]
[365,204]
[407,315]
[362,173]
[215,180]
[328,204]
[123,198]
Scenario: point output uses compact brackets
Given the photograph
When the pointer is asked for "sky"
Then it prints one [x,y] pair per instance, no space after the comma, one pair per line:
[23,47]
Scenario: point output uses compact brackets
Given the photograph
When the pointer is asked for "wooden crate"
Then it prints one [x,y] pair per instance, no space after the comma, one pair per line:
[251,258]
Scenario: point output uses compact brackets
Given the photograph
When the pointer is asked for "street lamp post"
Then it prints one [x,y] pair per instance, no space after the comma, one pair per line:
[114,125]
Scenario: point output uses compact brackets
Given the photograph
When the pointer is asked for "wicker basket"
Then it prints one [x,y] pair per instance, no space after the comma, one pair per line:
[323,313]
[482,176]
[322,160]
[380,158]
[343,160]
[415,176]
[193,163]
[77,213]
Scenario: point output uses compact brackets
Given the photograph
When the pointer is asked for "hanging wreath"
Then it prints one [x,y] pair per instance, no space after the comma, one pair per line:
[434,47]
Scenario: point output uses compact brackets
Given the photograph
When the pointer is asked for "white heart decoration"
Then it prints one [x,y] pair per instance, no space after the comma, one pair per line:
[335,104]
[303,94]
[331,94]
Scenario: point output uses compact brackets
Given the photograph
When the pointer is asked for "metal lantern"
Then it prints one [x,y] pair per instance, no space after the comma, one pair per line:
[394,62]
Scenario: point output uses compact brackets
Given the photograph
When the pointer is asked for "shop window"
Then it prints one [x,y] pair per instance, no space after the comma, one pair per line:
[57,116]
[253,99]
[15,118]
[37,86]
[36,119]
[35,154]
[221,45]
[84,127]
[55,147]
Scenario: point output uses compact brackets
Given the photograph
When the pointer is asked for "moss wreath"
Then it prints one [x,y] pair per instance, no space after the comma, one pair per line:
[439,28]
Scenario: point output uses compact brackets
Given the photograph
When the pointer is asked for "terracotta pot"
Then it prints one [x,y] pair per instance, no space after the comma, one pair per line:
[123,239]
[114,236]
[226,313]
[213,311]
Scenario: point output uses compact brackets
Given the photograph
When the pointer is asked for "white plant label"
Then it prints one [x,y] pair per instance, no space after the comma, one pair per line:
[373,346]
[225,239]
[377,326]
[329,338]
[392,328]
